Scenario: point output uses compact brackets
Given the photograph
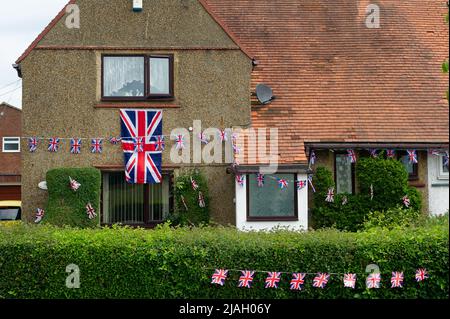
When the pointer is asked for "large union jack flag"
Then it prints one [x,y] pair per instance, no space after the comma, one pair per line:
[143,161]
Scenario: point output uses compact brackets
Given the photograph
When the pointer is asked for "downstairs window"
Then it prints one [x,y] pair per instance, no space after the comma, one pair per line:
[132,204]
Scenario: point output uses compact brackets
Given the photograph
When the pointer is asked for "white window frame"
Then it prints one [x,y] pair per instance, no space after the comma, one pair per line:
[17,141]
[440,167]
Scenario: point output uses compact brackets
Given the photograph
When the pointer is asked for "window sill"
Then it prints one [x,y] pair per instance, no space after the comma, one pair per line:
[123,104]
[272,219]
[416,184]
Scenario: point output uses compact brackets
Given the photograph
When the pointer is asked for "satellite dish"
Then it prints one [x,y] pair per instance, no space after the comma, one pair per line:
[264,94]
[43,185]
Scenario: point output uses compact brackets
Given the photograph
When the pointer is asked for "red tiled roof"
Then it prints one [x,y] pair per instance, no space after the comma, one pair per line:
[337,80]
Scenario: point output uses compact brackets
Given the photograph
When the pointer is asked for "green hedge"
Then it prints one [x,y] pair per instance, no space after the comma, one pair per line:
[68,208]
[174,263]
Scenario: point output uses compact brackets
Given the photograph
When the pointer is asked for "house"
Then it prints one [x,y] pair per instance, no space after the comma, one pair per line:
[340,84]
[10,155]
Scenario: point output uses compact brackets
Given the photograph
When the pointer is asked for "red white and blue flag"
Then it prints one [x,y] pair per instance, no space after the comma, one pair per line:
[246,279]
[160,143]
[330,196]
[373,281]
[115,140]
[223,136]
[282,183]
[310,181]
[351,155]
[272,280]
[297,282]
[141,167]
[53,145]
[412,155]
[260,179]
[397,279]
[240,179]
[40,213]
[219,277]
[179,142]
[421,274]
[406,201]
[321,280]
[96,145]
[75,146]
[350,281]
[90,211]
[373,153]
[390,153]
[301,185]
[312,158]
[203,138]
[446,159]
[33,144]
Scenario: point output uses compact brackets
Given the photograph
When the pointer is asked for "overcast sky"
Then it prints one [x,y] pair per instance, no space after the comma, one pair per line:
[20,23]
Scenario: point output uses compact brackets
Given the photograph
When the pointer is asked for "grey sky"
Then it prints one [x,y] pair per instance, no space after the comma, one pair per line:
[20,23]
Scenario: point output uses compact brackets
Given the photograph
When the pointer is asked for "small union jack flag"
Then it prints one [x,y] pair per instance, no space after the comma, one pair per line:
[434,152]
[90,211]
[373,281]
[282,183]
[75,146]
[350,281]
[371,192]
[138,143]
[321,280]
[194,184]
[421,274]
[246,279]
[160,143]
[412,155]
[240,179]
[39,215]
[397,279]
[179,142]
[53,145]
[406,201]
[115,140]
[330,196]
[312,158]
[390,153]
[33,144]
[223,136]
[201,200]
[344,200]
[351,155]
[236,149]
[97,145]
[446,159]
[260,179]
[310,181]
[272,280]
[219,277]
[74,185]
[297,282]
[373,153]
[203,138]
[301,184]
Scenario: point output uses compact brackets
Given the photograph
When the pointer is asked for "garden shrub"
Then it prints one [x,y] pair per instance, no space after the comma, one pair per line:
[66,207]
[178,263]
[393,217]
[194,215]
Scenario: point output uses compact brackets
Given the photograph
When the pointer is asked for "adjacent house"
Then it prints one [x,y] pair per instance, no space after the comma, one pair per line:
[339,85]
[10,155]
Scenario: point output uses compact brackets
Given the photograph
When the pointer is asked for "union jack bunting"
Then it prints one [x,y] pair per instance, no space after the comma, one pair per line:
[373,153]
[75,146]
[310,181]
[297,282]
[421,274]
[203,138]
[351,155]
[138,143]
[90,211]
[397,279]
[74,185]
[115,140]
[373,281]
[160,143]
[330,196]
[96,145]
[321,280]
[272,280]
[53,145]
[236,149]
[33,144]
[390,153]
[142,167]
[282,183]
[194,184]
[412,155]
[240,179]
[260,179]
[350,281]
[344,200]
[406,201]
[434,152]
[201,200]
[223,136]
[39,215]
[312,158]
[446,159]
[246,279]
[301,184]
[179,142]
[219,277]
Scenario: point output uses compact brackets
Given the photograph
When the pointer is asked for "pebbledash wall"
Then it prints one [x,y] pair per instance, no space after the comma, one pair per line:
[62,88]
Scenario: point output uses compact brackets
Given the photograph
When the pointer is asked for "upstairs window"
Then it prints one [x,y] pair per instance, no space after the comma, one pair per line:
[140,77]
[11,145]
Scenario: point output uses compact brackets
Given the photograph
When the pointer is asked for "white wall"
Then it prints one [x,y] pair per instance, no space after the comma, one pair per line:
[241,210]
[437,188]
